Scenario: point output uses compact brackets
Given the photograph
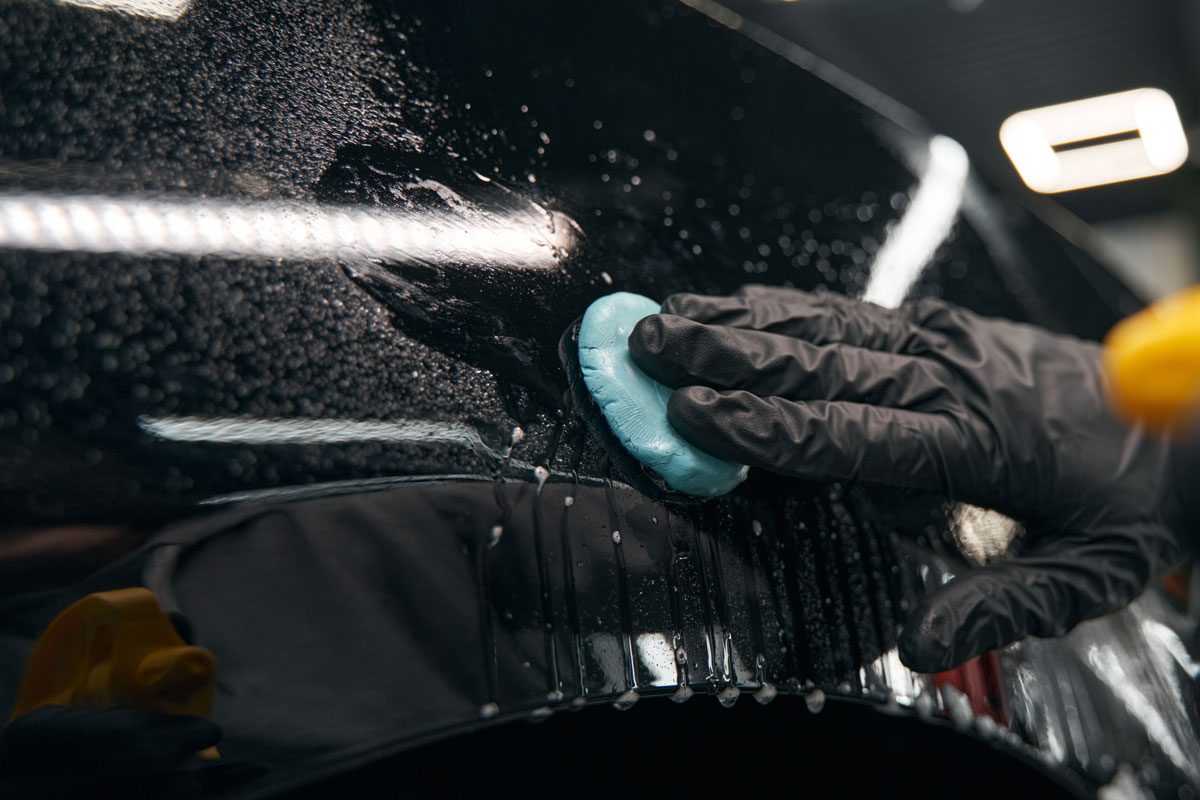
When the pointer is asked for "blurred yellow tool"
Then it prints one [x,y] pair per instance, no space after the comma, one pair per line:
[118,649]
[1152,361]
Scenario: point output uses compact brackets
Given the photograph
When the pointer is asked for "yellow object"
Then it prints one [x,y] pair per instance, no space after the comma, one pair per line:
[1152,361]
[118,649]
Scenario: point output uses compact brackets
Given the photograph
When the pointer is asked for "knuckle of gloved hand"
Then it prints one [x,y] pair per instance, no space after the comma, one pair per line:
[755,290]
[811,449]
[928,640]
[1122,581]
[928,312]
[919,384]
[760,429]
[694,407]
[977,455]
[684,304]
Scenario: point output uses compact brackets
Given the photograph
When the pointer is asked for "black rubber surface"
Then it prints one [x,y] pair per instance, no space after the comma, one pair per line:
[661,749]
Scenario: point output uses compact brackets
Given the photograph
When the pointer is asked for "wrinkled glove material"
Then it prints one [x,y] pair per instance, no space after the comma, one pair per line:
[635,406]
[932,397]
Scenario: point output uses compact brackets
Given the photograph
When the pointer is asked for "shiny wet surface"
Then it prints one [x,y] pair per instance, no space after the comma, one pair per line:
[165,356]
[155,353]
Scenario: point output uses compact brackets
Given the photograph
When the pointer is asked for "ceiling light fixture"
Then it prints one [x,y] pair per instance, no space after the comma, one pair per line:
[1096,141]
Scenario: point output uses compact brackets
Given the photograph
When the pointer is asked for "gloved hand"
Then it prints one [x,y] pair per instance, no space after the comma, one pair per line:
[55,751]
[932,397]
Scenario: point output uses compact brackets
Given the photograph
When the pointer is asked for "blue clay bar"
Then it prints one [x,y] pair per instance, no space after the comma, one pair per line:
[635,405]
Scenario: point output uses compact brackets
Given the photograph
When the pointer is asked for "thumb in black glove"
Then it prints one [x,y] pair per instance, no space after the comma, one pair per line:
[933,397]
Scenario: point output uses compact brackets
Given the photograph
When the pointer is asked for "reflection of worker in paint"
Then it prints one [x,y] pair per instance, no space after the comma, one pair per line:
[932,397]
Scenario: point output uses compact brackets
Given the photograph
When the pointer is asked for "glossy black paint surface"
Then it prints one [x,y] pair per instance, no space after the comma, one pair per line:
[688,158]
[670,153]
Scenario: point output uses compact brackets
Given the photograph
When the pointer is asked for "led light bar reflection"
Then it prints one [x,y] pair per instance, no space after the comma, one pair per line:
[253,431]
[1112,138]
[929,219]
[533,238]
[169,10]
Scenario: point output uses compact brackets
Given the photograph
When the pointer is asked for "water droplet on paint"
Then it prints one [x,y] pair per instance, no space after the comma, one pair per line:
[682,694]
[626,701]
[540,713]
[766,693]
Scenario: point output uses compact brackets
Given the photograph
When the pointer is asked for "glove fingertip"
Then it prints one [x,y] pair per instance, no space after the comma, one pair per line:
[648,337]
[963,619]
[926,643]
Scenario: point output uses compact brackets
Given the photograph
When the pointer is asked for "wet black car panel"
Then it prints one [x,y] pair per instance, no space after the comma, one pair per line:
[663,152]
[455,182]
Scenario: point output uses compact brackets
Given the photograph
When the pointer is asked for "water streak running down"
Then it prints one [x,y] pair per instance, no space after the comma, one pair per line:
[531,238]
[249,430]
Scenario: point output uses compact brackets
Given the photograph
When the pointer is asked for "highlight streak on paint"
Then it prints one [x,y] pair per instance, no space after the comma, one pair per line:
[529,239]
[249,430]
[929,219]
[169,10]
[1107,666]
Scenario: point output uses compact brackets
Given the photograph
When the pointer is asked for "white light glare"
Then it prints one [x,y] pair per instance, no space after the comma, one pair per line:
[929,219]
[528,239]
[1160,146]
[254,431]
[169,10]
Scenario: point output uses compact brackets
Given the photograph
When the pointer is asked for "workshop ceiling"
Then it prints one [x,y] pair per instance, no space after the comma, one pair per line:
[966,65]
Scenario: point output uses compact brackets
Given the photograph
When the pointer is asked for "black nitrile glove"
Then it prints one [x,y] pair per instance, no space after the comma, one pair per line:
[55,751]
[932,397]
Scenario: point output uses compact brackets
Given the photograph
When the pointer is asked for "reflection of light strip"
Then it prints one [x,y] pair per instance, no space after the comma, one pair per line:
[1104,662]
[925,225]
[1029,138]
[889,673]
[248,430]
[170,10]
[1169,641]
[533,239]
[656,656]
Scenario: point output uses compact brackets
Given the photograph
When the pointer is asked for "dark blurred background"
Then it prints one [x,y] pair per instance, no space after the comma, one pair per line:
[967,65]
